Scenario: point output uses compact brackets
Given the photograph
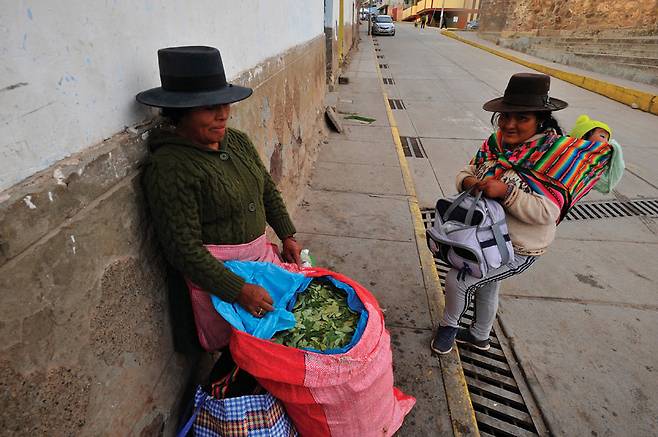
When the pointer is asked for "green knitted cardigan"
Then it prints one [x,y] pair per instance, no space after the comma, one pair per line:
[199,196]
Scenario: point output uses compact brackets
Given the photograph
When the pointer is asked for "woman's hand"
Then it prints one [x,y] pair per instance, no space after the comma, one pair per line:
[255,299]
[468,182]
[492,188]
[291,251]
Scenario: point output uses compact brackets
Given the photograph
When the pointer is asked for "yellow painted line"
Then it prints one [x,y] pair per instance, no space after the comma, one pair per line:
[462,415]
[645,101]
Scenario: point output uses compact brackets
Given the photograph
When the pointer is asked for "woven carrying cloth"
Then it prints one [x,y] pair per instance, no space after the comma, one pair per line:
[561,168]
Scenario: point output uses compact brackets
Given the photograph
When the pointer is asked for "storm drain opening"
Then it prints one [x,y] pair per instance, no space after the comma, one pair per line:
[388,81]
[396,104]
[613,209]
[383,66]
[412,147]
[501,398]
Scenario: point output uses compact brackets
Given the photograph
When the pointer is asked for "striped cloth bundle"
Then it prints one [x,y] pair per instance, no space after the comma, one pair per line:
[561,168]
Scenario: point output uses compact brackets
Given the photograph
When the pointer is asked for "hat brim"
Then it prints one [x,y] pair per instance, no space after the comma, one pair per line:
[498,105]
[162,98]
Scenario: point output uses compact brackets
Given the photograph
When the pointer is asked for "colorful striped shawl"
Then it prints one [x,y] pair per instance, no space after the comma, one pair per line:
[561,168]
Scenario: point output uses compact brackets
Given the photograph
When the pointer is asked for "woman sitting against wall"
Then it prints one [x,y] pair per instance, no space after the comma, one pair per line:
[210,196]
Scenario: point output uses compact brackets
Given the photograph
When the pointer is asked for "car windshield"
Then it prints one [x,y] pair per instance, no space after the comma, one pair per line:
[384,19]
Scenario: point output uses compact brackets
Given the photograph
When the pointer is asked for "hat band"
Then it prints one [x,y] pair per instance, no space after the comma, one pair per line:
[527,99]
[193,83]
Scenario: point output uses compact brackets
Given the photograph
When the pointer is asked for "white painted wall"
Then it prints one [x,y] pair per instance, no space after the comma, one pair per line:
[348,11]
[69,70]
[332,13]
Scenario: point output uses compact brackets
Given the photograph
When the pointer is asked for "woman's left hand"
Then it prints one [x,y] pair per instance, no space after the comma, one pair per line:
[291,250]
[492,188]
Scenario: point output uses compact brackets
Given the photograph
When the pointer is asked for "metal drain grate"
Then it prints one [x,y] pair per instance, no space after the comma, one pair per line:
[412,147]
[383,65]
[499,393]
[388,81]
[613,209]
[396,104]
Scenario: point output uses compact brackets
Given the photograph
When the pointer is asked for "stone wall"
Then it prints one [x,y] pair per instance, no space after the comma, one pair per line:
[570,17]
[493,15]
[85,337]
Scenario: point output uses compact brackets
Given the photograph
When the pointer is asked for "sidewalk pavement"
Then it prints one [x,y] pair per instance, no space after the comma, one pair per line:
[360,217]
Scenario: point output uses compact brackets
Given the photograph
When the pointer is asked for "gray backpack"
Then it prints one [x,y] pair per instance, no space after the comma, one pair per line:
[470,234]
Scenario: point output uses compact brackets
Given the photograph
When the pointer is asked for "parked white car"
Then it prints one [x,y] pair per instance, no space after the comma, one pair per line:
[383,25]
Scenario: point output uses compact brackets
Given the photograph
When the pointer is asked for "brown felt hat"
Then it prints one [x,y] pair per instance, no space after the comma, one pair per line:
[526,92]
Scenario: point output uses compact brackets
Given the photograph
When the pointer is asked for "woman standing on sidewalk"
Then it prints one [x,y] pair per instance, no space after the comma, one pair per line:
[537,175]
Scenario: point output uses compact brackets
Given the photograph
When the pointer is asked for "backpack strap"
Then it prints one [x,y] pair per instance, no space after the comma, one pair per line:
[471,210]
[500,242]
[458,201]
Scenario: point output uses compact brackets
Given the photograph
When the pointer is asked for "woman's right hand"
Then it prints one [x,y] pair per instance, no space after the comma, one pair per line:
[255,299]
[492,188]
[469,182]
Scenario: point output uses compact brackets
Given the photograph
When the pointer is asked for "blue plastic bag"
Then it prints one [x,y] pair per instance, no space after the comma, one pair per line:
[283,286]
[279,283]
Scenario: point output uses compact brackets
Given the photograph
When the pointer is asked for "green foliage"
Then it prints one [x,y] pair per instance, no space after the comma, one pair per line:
[324,321]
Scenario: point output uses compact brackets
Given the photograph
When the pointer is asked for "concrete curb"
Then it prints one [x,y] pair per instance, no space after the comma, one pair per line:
[462,415]
[629,96]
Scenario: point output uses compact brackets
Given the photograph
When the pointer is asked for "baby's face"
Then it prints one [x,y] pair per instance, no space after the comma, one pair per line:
[599,135]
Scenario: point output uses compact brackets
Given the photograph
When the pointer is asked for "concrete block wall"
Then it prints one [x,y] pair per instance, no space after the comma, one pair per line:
[85,336]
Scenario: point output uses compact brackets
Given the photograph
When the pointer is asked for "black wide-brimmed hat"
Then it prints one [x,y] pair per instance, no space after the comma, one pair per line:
[526,92]
[191,77]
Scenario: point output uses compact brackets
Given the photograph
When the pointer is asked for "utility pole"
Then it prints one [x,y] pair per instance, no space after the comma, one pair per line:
[369,17]
[441,19]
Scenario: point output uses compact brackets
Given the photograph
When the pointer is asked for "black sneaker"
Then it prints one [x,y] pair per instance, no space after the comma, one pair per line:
[444,339]
[465,336]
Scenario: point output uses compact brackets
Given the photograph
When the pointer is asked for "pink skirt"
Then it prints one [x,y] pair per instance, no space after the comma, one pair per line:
[214,332]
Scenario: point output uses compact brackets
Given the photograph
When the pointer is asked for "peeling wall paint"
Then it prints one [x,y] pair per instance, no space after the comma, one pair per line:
[29,203]
[70,72]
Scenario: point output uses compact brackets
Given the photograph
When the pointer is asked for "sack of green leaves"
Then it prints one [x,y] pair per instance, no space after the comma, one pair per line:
[324,351]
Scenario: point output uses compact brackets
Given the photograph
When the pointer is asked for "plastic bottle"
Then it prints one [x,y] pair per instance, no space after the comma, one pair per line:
[307,260]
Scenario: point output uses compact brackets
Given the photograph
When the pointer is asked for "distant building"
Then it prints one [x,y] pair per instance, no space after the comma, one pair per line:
[393,8]
[452,13]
